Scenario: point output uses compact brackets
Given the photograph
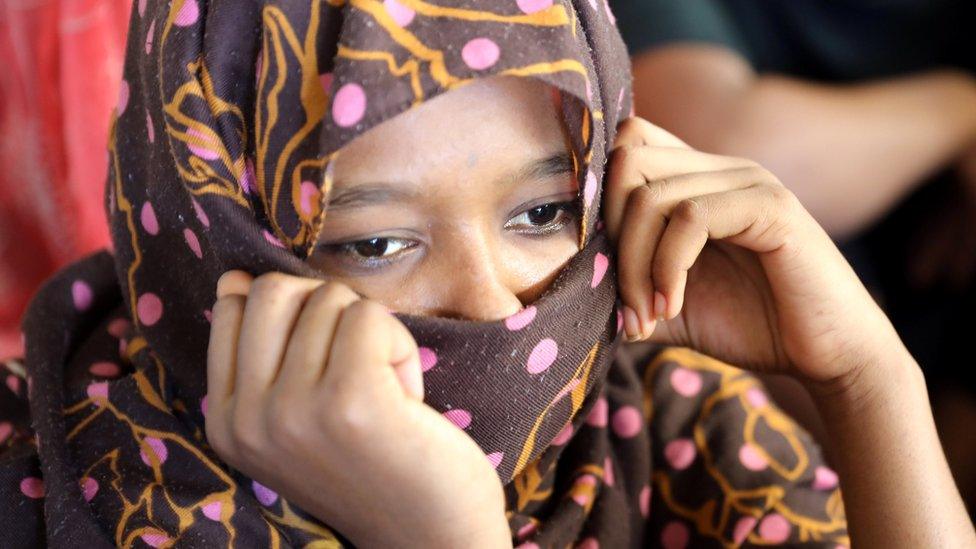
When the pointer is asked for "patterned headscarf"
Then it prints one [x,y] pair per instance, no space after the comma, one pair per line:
[229,117]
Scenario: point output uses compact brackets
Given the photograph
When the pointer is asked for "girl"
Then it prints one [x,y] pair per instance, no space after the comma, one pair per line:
[430,353]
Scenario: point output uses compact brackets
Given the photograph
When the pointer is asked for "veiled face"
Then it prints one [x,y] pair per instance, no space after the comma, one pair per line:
[462,207]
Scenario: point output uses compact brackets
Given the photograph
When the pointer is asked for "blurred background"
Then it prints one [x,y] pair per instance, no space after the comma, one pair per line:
[866,109]
[60,68]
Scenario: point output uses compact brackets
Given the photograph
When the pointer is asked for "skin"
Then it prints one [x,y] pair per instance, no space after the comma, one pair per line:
[742,270]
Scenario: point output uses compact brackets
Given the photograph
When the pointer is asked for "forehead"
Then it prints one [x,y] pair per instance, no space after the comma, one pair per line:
[492,117]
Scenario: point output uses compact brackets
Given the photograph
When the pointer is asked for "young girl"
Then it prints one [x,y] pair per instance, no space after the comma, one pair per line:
[417,339]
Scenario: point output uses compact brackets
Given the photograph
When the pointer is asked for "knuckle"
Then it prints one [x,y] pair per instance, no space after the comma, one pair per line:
[646,197]
[333,292]
[246,437]
[688,211]
[270,283]
[286,428]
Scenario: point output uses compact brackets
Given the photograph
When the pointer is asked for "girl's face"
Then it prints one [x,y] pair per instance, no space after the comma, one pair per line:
[463,207]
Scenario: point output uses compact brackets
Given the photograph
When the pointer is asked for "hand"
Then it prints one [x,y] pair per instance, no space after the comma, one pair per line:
[318,394]
[732,264]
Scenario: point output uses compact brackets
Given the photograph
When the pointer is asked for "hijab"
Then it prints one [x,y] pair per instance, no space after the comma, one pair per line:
[229,117]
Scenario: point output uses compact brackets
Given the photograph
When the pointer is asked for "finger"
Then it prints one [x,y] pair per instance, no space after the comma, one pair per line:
[311,341]
[272,309]
[745,217]
[234,282]
[643,225]
[368,342]
[631,167]
[637,131]
[228,314]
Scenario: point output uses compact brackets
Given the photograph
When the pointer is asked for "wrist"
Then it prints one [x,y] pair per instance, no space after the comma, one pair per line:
[872,381]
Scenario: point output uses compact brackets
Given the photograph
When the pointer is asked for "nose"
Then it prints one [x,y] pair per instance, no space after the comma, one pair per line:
[474,282]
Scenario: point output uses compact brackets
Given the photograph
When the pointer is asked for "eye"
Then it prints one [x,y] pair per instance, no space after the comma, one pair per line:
[543,219]
[367,254]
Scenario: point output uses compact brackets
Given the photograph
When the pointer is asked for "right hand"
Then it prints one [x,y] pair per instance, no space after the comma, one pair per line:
[318,394]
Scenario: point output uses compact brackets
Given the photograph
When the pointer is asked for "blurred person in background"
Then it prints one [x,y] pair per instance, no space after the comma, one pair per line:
[867,109]
[62,64]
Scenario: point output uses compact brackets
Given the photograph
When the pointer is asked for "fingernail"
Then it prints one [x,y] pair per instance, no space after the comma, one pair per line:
[648,329]
[660,305]
[631,324]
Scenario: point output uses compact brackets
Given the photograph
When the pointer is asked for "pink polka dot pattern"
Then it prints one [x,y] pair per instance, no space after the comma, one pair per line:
[212,510]
[81,295]
[266,496]
[542,356]
[89,487]
[155,538]
[326,80]
[588,543]
[123,102]
[563,436]
[428,358]
[675,535]
[521,319]
[105,369]
[589,189]
[148,218]
[608,477]
[756,398]
[13,383]
[685,382]
[532,6]
[461,418]
[401,14]
[599,413]
[201,214]
[193,243]
[150,131]
[743,527]
[203,405]
[272,239]
[150,37]
[644,501]
[824,478]
[149,308]
[528,545]
[207,151]
[480,53]
[627,422]
[188,14]
[32,487]
[6,429]
[98,392]
[247,177]
[583,497]
[751,458]
[680,453]
[600,265]
[774,528]
[526,530]
[153,447]
[142,8]
[308,196]
[349,105]
[118,327]
[495,458]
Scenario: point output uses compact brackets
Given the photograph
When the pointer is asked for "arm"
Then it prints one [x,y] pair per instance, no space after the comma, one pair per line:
[848,152]
[897,486]
[732,265]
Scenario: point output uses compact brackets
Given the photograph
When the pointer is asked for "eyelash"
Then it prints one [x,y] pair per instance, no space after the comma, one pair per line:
[564,214]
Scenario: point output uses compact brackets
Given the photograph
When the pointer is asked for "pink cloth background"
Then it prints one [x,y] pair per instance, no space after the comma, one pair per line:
[60,68]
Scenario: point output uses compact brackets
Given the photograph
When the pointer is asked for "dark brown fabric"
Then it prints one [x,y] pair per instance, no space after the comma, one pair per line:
[230,115]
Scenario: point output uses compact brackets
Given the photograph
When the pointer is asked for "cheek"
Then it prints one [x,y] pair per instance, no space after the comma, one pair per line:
[534,264]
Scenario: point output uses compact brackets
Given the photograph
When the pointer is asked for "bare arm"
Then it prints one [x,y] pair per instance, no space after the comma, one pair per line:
[848,152]
[898,490]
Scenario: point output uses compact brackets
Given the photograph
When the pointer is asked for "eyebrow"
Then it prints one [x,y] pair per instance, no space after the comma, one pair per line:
[372,194]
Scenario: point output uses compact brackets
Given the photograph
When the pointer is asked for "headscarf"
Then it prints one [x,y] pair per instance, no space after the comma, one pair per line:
[230,115]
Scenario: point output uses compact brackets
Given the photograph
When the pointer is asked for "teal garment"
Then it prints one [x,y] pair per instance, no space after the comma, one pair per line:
[826,40]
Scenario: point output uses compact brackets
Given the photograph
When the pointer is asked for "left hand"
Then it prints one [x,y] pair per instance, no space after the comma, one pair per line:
[732,265]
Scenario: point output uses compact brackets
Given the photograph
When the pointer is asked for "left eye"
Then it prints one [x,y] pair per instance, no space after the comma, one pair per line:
[545,218]
[376,248]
